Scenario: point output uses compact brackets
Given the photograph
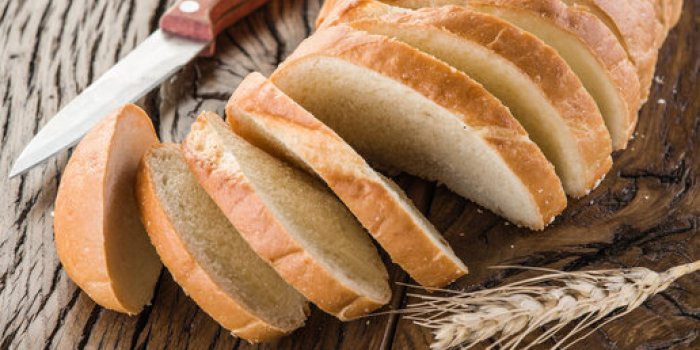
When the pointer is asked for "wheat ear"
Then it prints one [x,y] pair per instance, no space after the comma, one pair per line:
[509,313]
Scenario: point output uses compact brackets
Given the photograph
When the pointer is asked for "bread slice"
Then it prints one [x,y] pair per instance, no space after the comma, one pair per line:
[290,219]
[668,12]
[589,48]
[99,238]
[634,22]
[400,107]
[529,77]
[343,11]
[667,15]
[208,258]
[673,12]
[268,118]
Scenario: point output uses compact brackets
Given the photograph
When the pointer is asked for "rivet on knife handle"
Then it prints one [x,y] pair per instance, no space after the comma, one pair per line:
[205,19]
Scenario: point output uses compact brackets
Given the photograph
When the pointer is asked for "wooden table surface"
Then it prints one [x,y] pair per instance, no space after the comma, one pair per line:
[645,213]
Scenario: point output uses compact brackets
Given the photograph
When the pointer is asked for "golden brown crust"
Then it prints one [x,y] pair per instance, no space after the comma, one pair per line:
[349,176]
[588,29]
[591,33]
[531,56]
[188,273]
[542,64]
[668,12]
[337,11]
[447,87]
[674,13]
[82,215]
[640,33]
[269,238]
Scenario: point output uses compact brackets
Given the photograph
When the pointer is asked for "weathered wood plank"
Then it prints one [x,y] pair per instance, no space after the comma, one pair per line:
[646,213]
[49,51]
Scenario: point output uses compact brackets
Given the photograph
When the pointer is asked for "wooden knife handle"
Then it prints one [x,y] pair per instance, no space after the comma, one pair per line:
[205,19]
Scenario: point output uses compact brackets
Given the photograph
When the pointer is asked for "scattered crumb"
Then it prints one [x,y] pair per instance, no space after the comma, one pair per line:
[591,202]
[461,234]
[646,196]
[479,211]
[506,223]
[52,213]
[540,190]
[643,136]
[512,246]
[659,80]
[367,323]
[661,101]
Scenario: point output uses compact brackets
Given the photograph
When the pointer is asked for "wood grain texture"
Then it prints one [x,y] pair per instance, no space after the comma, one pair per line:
[646,213]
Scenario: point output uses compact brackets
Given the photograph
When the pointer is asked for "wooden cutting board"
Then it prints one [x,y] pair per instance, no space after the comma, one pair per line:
[645,213]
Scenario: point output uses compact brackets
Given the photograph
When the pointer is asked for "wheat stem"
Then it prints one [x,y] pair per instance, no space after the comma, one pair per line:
[508,314]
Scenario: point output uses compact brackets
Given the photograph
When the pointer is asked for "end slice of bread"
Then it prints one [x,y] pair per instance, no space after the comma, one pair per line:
[403,108]
[208,258]
[290,219]
[268,118]
[99,238]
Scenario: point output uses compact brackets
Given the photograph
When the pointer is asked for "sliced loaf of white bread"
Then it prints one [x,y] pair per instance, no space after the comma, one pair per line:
[528,76]
[290,219]
[99,238]
[403,108]
[587,45]
[208,258]
[268,118]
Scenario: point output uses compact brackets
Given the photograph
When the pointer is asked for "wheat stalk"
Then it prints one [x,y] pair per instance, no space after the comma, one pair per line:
[509,313]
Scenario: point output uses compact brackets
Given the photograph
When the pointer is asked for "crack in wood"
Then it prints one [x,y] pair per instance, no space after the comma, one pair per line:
[129,16]
[308,24]
[35,49]
[241,49]
[87,329]
[157,14]
[624,240]
[4,11]
[39,105]
[93,56]
[61,318]
[47,294]
[681,309]
[281,46]
[7,102]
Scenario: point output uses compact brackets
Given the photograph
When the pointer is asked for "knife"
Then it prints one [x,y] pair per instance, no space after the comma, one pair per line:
[186,30]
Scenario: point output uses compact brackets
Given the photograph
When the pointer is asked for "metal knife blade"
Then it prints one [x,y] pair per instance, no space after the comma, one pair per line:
[154,60]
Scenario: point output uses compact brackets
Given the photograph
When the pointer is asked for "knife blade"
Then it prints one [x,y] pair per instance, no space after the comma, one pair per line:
[185,31]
